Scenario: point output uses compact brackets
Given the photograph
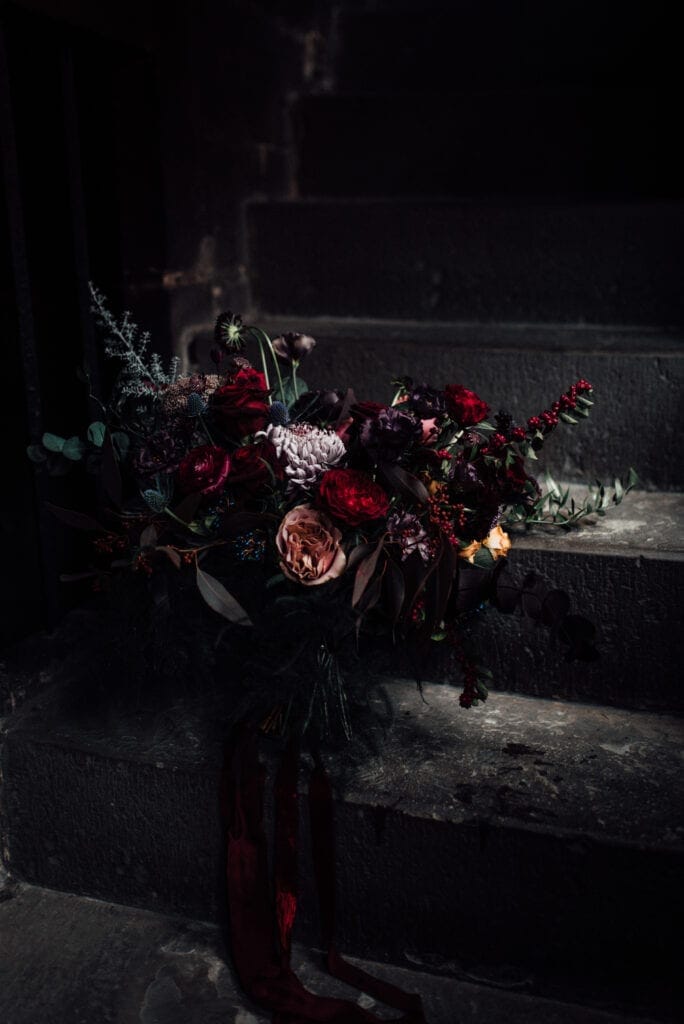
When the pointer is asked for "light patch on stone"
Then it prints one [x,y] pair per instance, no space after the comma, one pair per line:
[617,748]
[245,1017]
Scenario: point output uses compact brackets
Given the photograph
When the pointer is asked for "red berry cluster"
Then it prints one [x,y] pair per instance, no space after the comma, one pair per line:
[447,516]
[142,563]
[468,668]
[110,543]
[547,420]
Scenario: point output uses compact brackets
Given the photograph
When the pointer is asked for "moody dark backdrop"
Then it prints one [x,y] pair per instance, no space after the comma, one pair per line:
[133,133]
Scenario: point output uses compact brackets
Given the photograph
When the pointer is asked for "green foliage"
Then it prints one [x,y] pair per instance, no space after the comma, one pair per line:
[556,506]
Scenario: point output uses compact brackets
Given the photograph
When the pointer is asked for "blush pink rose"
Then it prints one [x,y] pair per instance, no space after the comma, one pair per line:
[309,547]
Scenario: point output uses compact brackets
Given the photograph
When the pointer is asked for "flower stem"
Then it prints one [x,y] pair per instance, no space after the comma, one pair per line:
[263,338]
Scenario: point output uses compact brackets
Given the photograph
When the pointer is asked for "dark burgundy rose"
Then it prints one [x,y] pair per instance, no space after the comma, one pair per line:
[204,470]
[367,410]
[253,467]
[387,436]
[241,406]
[292,347]
[351,497]
[464,406]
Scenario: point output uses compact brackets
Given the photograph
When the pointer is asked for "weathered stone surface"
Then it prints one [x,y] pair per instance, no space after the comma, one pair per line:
[483,261]
[66,958]
[532,833]
[438,45]
[540,141]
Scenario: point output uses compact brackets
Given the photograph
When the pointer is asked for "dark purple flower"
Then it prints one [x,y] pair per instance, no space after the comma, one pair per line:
[387,436]
[292,347]
[161,453]
[426,402]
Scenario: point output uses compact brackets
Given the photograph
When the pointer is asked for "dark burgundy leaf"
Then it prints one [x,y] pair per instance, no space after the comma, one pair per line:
[395,591]
[356,554]
[218,598]
[364,573]
[405,482]
[185,510]
[76,519]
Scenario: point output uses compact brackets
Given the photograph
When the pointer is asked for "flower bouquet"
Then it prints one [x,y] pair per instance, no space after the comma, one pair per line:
[317,527]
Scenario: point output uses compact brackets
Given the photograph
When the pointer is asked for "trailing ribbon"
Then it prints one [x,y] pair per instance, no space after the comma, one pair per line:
[260,935]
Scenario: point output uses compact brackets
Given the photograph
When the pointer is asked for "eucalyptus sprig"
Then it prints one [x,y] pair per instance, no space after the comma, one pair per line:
[558,507]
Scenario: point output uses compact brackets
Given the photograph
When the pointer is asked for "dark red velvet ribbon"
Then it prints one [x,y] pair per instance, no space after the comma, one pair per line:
[260,933]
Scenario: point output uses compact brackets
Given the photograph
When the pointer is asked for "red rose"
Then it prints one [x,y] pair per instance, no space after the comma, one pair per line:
[203,470]
[464,406]
[254,466]
[351,496]
[240,406]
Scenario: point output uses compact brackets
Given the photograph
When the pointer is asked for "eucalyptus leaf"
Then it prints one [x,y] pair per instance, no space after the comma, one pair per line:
[53,442]
[96,433]
[36,453]
[122,443]
[73,449]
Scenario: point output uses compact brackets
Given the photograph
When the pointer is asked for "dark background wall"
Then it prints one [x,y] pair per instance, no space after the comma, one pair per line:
[133,134]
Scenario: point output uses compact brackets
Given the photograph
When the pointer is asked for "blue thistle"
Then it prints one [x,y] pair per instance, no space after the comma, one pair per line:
[196,405]
[156,501]
[280,417]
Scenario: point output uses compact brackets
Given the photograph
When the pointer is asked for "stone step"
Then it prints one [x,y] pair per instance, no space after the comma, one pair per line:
[404,45]
[500,142]
[66,958]
[531,840]
[488,261]
[638,377]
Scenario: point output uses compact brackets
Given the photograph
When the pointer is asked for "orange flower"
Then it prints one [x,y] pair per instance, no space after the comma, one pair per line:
[498,542]
[309,547]
[470,552]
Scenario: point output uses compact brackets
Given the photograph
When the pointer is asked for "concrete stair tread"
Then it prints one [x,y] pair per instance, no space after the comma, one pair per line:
[518,761]
[645,523]
[577,338]
[534,833]
[66,958]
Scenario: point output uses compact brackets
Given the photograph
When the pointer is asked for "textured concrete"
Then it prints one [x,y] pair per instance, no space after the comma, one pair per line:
[438,46]
[499,142]
[82,961]
[484,261]
[537,834]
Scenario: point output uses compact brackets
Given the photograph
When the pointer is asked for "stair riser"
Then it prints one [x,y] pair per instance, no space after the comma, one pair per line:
[400,47]
[150,837]
[636,419]
[541,142]
[486,262]
[634,604]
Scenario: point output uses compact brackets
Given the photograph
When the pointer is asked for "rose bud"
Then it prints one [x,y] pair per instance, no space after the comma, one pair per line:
[464,406]
[292,347]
